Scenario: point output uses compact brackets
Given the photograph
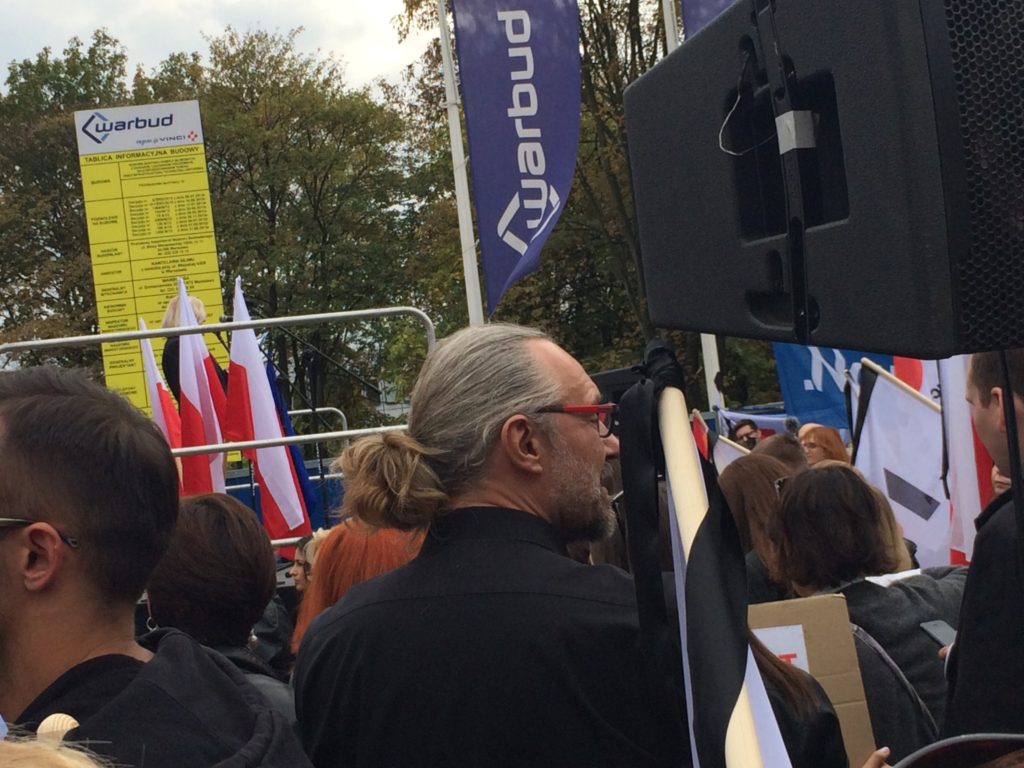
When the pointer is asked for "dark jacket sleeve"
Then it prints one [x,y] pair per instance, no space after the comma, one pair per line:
[813,739]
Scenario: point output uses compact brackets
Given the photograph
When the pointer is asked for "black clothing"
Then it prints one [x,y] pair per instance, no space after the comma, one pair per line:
[899,718]
[760,587]
[986,665]
[187,706]
[264,679]
[169,362]
[491,648]
[892,615]
[813,740]
[273,634]
[83,690]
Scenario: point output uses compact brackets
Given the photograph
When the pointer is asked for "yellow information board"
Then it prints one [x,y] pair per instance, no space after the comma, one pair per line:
[147,207]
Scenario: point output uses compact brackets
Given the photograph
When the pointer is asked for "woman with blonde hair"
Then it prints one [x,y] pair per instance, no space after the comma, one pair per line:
[45,753]
[170,356]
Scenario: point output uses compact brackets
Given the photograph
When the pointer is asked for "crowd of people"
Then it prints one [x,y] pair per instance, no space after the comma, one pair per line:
[472,607]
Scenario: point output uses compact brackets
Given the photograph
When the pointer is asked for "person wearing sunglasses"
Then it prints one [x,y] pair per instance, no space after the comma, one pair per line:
[88,504]
[745,432]
[492,646]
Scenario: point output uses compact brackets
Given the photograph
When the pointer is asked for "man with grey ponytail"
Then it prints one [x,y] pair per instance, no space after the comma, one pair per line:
[492,647]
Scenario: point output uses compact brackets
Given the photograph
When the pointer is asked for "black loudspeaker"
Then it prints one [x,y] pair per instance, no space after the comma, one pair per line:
[846,174]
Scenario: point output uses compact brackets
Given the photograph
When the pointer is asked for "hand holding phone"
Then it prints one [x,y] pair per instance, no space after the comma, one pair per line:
[939,631]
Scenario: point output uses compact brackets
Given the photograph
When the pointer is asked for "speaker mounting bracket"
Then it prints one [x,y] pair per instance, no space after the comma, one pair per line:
[795,127]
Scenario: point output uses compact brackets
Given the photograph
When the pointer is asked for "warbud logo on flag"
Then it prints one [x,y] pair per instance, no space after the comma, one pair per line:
[520,72]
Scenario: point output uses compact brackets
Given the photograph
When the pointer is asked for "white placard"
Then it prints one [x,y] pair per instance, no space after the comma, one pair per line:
[787,643]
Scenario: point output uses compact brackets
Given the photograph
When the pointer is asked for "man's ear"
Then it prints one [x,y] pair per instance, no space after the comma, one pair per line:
[521,440]
[42,556]
[996,401]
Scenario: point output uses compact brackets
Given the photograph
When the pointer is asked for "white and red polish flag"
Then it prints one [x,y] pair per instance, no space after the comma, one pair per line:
[968,475]
[200,404]
[252,416]
[968,465]
[165,414]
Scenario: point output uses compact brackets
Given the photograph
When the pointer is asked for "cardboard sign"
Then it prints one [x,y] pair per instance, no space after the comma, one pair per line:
[787,643]
[818,629]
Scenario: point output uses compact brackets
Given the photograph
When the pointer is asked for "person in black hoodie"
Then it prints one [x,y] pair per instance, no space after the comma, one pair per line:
[77,545]
[214,583]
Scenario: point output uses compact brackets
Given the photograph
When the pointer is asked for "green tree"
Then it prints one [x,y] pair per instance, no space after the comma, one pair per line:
[309,183]
[308,196]
[45,273]
[589,292]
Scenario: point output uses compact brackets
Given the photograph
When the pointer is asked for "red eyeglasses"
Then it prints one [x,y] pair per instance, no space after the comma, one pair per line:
[605,413]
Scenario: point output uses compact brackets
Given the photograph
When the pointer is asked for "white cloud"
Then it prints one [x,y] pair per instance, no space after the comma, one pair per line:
[359,33]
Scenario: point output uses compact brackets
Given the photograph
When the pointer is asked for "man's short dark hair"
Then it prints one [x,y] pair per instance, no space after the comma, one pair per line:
[75,454]
[737,426]
[987,372]
[218,573]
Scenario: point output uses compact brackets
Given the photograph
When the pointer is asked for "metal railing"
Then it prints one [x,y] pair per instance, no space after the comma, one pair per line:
[280,322]
[274,322]
[248,445]
[325,409]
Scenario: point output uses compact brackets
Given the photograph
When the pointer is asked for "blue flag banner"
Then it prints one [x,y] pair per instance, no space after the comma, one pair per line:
[314,509]
[519,66]
[697,14]
[812,380]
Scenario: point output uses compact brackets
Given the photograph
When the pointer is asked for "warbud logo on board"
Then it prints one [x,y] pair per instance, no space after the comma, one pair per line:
[123,129]
[98,128]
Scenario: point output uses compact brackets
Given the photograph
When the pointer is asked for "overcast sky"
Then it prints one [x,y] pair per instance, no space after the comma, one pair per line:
[360,32]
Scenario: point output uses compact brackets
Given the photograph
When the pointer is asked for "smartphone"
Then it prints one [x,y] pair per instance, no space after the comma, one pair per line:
[939,631]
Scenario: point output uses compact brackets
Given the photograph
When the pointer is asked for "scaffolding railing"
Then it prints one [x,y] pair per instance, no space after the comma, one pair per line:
[325,409]
[279,322]
[274,322]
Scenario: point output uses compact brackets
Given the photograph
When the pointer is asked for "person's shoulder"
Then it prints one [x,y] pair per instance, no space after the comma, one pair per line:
[605,583]
[997,531]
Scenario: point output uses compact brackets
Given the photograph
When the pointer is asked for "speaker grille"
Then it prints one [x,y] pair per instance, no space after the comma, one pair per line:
[987,39]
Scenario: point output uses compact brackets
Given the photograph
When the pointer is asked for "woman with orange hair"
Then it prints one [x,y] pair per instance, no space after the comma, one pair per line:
[821,443]
[351,553]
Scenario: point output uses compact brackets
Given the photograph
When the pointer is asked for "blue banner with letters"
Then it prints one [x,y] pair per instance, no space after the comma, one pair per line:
[812,380]
[519,67]
[697,14]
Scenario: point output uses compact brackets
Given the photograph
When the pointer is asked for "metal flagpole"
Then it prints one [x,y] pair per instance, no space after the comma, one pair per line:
[708,345]
[469,267]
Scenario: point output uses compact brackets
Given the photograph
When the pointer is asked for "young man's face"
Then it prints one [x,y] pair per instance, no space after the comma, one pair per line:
[747,436]
[989,423]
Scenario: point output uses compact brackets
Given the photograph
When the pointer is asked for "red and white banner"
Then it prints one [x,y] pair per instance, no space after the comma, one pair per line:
[700,433]
[725,452]
[252,416]
[899,450]
[200,414]
[165,414]
[969,477]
